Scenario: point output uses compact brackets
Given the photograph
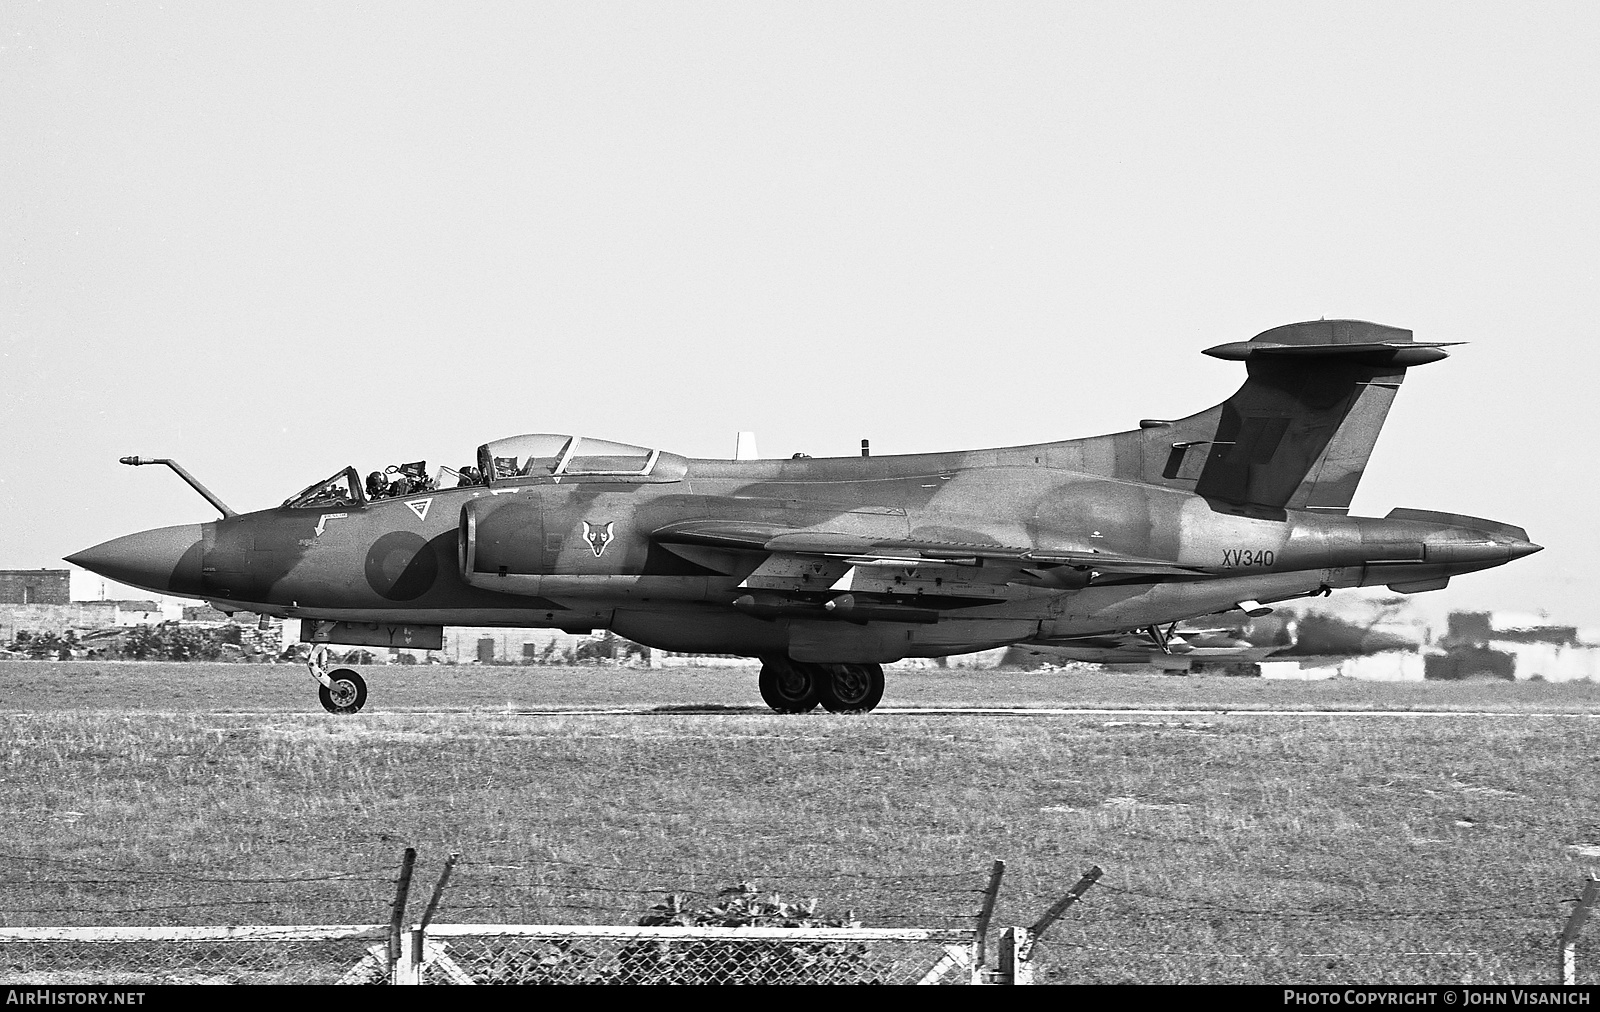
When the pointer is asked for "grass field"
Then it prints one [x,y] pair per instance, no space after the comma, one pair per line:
[47,687]
[1237,847]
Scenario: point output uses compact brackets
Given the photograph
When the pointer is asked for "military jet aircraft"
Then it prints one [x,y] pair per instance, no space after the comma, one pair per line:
[1170,649]
[825,568]
[1313,639]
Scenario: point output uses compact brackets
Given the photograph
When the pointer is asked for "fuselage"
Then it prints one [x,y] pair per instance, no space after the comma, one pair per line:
[586,553]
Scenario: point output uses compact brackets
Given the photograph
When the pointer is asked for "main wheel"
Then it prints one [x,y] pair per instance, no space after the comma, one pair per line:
[787,686]
[850,688]
[348,694]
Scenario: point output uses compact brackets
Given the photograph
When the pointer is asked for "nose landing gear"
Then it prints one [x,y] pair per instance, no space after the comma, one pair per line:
[341,690]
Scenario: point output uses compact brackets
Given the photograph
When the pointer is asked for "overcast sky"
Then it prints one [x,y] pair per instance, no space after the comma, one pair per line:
[272,239]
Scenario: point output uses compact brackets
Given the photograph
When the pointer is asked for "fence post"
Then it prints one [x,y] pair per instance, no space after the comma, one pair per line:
[980,939]
[413,955]
[408,968]
[438,890]
[397,914]
[1059,907]
[1014,965]
[1569,934]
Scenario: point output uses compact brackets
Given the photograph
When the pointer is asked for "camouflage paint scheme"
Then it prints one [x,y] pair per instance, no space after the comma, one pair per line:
[861,560]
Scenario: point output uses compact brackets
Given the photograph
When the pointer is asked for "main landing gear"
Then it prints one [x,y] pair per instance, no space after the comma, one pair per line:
[796,687]
[341,690]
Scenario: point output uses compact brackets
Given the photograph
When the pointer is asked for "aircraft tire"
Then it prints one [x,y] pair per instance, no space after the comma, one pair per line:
[850,688]
[788,686]
[349,692]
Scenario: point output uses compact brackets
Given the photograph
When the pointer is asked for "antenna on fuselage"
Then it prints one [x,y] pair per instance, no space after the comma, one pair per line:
[744,447]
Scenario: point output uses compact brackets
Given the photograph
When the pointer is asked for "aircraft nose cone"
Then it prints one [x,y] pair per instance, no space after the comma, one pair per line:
[1467,547]
[165,560]
[1518,549]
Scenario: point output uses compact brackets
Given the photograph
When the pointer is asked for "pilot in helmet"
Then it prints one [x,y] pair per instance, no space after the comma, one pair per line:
[377,488]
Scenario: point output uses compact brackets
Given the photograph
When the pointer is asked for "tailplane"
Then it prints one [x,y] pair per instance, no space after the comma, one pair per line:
[1297,435]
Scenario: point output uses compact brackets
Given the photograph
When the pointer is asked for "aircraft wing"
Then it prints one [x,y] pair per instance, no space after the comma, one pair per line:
[1137,647]
[862,550]
[1135,654]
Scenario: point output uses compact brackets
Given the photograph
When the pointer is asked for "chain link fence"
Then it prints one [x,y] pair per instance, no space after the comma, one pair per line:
[72,922]
[516,918]
[1154,936]
[319,954]
[485,954]
[535,954]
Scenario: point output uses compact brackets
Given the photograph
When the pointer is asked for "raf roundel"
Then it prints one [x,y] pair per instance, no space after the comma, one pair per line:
[401,566]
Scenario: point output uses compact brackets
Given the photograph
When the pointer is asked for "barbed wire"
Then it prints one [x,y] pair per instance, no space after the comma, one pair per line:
[364,875]
[1192,917]
[1257,955]
[545,887]
[146,908]
[1347,912]
[885,877]
[467,883]
[501,907]
[557,892]
[155,878]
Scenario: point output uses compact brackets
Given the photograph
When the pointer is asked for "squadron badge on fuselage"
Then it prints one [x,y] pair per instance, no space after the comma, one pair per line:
[598,539]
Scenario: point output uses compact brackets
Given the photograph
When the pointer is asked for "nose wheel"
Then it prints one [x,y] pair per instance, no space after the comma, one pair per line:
[342,690]
[347,694]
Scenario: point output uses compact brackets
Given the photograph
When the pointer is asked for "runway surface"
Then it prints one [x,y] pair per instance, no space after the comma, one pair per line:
[722,710]
[999,711]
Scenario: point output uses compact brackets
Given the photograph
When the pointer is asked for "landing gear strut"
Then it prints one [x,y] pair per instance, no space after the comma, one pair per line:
[797,687]
[1162,638]
[341,690]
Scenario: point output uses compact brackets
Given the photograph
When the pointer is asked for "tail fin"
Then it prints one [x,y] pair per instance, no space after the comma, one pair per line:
[1298,434]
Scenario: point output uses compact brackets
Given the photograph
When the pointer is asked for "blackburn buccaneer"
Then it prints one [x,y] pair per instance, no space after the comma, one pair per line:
[827,568]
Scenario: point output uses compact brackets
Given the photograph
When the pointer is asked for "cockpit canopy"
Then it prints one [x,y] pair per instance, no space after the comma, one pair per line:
[553,457]
[538,456]
[343,489]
